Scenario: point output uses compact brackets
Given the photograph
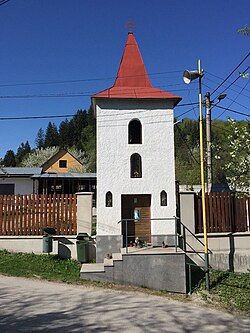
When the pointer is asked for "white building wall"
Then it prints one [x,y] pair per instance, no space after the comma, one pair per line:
[113,161]
[22,185]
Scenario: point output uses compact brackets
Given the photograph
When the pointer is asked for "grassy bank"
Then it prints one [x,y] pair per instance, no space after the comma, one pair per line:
[230,291]
[48,267]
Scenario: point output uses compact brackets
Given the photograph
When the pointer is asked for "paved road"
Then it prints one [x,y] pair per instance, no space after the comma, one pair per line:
[39,306]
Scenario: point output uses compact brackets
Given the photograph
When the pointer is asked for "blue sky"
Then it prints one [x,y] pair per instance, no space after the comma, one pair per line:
[61,40]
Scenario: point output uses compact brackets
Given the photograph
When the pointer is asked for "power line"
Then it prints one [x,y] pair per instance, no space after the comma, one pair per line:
[189,149]
[77,94]
[182,114]
[234,90]
[234,80]
[81,80]
[234,111]
[71,115]
[234,100]
[37,117]
[3,2]
[231,73]
[218,77]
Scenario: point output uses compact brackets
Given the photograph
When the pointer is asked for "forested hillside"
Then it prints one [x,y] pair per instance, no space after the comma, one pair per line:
[77,135]
[230,147]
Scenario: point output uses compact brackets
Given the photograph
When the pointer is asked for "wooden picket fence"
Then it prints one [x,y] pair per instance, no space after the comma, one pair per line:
[224,213]
[29,214]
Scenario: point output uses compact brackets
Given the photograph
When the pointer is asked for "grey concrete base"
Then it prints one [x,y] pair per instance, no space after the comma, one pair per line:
[155,271]
[169,240]
[225,261]
[107,244]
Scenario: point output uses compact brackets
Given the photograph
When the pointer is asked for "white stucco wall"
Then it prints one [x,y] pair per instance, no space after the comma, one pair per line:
[22,185]
[113,161]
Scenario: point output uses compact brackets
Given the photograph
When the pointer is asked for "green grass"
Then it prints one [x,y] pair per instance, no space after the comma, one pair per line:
[44,266]
[231,290]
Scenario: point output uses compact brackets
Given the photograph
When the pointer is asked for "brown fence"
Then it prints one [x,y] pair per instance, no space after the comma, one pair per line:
[224,213]
[29,214]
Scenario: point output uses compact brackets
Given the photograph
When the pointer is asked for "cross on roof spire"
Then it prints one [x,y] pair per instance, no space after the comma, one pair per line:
[130,26]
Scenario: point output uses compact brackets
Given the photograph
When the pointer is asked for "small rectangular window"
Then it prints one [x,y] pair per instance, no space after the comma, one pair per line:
[62,164]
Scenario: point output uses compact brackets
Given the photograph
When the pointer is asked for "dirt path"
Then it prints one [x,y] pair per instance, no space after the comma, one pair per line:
[40,306]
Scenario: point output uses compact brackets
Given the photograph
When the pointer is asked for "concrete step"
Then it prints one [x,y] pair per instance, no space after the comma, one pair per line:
[131,249]
[108,262]
[92,268]
[117,256]
[155,268]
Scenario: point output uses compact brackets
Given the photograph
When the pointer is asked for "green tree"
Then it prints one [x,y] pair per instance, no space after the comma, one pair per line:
[51,136]
[237,168]
[22,151]
[77,124]
[40,138]
[65,134]
[88,141]
[9,159]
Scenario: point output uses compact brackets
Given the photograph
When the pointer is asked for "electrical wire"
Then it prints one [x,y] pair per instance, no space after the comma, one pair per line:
[3,2]
[82,80]
[37,117]
[234,81]
[234,111]
[234,100]
[182,114]
[218,77]
[66,95]
[231,74]
[189,149]
[243,106]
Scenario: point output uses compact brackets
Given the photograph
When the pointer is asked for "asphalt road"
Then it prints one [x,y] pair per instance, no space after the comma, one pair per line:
[40,306]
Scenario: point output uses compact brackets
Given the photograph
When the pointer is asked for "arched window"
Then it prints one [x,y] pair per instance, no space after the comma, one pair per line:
[109,199]
[134,132]
[135,166]
[164,198]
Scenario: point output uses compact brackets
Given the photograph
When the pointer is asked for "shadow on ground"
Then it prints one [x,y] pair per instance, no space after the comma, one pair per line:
[36,306]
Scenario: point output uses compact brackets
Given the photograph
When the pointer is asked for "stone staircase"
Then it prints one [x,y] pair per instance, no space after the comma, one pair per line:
[155,268]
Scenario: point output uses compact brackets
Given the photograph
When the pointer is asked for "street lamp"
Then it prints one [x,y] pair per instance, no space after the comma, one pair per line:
[189,76]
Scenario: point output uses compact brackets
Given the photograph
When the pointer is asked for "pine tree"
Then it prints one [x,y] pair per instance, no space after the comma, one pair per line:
[51,136]
[9,159]
[40,138]
[22,151]
[78,123]
[88,141]
[65,134]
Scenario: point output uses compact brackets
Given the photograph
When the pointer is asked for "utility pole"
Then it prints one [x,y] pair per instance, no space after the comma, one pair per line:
[208,138]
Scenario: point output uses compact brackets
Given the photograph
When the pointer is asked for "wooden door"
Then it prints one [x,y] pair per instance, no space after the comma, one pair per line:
[140,228]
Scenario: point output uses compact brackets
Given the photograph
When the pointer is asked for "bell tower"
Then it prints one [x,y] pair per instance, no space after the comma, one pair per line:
[135,158]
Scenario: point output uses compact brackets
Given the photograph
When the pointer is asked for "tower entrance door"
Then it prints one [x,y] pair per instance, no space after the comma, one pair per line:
[137,207]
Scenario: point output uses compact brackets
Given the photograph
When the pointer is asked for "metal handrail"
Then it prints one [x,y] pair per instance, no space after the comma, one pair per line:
[184,236]
[177,220]
[153,219]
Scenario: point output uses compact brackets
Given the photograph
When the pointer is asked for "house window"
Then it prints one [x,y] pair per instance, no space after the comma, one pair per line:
[7,189]
[134,132]
[109,199]
[62,164]
[164,198]
[135,166]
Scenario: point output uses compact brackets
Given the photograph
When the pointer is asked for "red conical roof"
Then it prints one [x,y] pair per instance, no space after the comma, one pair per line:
[132,71]
[132,80]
